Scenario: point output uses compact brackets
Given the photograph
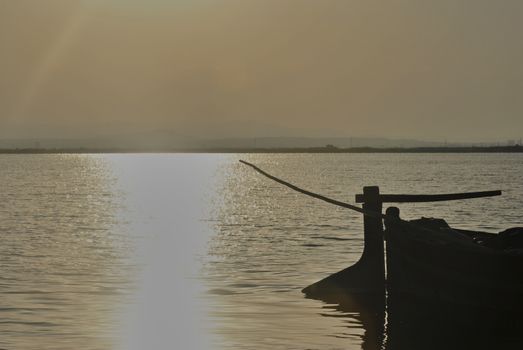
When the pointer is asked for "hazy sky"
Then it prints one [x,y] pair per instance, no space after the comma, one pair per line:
[396,68]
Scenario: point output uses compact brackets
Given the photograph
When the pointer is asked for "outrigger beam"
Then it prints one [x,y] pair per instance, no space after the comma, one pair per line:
[412,198]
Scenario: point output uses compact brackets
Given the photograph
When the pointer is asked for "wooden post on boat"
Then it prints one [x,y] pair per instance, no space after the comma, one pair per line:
[373,251]
[367,276]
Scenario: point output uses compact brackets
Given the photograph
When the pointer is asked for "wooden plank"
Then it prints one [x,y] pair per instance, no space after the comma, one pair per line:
[411,198]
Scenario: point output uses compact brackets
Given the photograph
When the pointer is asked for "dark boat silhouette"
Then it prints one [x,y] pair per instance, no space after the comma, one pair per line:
[465,276]
[427,259]
[460,288]
[441,264]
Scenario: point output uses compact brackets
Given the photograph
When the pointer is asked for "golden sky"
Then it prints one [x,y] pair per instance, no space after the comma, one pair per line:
[398,68]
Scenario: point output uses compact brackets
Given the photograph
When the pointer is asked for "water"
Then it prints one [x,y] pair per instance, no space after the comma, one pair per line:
[174,251]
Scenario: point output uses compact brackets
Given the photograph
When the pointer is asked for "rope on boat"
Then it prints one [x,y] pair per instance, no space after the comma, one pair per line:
[320,197]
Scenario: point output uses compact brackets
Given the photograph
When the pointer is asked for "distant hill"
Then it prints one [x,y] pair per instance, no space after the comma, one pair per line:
[169,140]
[305,142]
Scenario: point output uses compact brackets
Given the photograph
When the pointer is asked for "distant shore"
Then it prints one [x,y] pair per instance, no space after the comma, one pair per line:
[328,149]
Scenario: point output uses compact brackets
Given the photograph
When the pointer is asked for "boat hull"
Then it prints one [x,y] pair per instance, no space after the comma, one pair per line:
[446,266]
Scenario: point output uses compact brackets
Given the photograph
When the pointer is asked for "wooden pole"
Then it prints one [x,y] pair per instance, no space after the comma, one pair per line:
[416,198]
[373,252]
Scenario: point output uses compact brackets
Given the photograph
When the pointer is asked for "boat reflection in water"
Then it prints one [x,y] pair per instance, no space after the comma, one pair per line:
[399,324]
[368,310]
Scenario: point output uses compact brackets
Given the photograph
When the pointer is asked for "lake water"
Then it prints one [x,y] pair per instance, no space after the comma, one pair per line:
[197,251]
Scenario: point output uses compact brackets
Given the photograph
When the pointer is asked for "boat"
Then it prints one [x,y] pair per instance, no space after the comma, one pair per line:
[427,259]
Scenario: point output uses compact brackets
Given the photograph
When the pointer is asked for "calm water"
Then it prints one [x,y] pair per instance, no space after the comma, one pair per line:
[199,252]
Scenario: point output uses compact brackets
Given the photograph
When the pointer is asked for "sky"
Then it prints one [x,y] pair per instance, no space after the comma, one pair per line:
[428,70]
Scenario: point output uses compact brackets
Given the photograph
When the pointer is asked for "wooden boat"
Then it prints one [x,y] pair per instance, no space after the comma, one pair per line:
[428,260]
